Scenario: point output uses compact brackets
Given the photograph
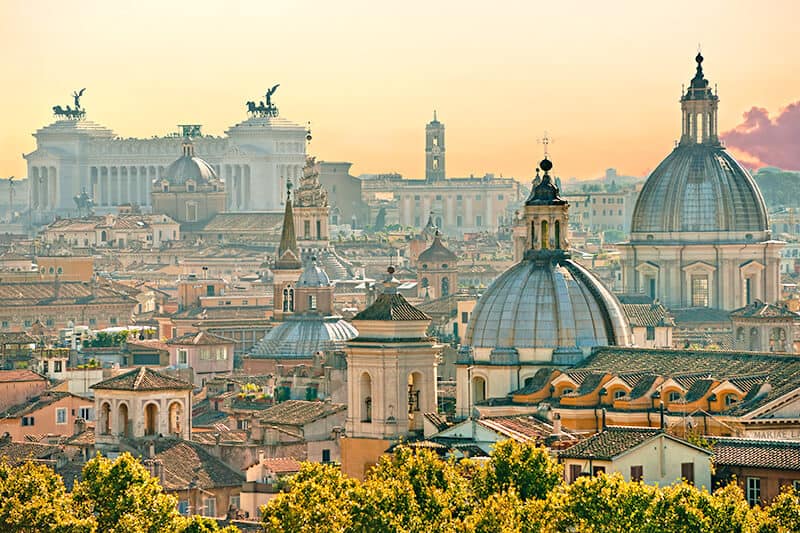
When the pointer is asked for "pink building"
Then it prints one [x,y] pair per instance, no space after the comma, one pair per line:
[51,413]
[19,386]
[206,354]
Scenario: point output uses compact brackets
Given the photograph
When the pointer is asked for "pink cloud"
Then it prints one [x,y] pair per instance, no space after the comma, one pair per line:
[765,141]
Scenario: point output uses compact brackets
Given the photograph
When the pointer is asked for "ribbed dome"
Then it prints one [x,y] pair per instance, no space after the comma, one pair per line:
[538,304]
[699,188]
[313,276]
[189,168]
[302,337]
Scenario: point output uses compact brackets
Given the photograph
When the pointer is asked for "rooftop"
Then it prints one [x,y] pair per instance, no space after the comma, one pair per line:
[142,379]
[756,453]
[300,412]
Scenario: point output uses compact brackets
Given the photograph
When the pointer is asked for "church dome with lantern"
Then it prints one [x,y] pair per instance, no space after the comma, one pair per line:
[189,167]
[699,187]
[547,307]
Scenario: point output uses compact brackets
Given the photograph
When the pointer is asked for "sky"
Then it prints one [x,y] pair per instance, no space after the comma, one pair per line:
[602,78]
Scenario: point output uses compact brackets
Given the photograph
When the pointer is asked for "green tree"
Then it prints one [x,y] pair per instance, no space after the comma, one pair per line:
[319,500]
[33,498]
[201,524]
[527,468]
[783,516]
[124,497]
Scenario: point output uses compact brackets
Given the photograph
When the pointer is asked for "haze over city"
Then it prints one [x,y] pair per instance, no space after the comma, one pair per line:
[603,78]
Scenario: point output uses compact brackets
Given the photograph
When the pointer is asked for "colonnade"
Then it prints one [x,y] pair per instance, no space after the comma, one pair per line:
[44,187]
[116,185]
[239,186]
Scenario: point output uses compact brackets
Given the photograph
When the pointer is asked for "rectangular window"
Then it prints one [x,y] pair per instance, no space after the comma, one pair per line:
[478,221]
[5,324]
[183,507]
[416,197]
[49,322]
[754,490]
[687,472]
[87,413]
[183,357]
[464,317]
[651,333]
[307,229]
[326,456]
[438,196]
[575,472]
[699,291]
[499,196]
[209,507]
[27,421]
[57,366]
[113,320]
[477,197]
[27,323]
[236,502]
[191,212]
[61,415]
[92,321]
[458,197]
[312,302]
[45,367]
[598,470]
[637,472]
[459,221]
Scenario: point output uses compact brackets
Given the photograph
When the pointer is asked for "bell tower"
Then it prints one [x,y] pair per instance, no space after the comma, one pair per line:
[287,268]
[434,150]
[546,216]
[699,110]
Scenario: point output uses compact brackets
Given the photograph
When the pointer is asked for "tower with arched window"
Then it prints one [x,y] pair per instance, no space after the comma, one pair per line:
[288,267]
[391,378]
[141,403]
[437,270]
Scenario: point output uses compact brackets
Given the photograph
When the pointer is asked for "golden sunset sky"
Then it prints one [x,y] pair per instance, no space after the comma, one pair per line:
[603,78]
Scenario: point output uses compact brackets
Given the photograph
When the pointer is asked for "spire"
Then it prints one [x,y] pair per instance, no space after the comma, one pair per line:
[288,254]
[434,116]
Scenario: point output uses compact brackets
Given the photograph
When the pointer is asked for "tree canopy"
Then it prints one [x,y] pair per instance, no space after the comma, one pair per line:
[520,489]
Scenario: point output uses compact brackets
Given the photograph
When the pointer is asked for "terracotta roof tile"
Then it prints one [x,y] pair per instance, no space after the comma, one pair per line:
[610,443]
[644,315]
[142,379]
[7,376]
[391,307]
[756,453]
[299,412]
[183,460]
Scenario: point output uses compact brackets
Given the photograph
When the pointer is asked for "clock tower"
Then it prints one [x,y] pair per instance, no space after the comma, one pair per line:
[434,150]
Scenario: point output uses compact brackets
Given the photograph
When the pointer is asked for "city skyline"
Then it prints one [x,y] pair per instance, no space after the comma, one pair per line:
[369,77]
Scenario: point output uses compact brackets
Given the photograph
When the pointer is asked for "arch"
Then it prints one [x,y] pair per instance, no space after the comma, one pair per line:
[755,344]
[445,287]
[545,235]
[777,340]
[365,394]
[478,390]
[739,334]
[425,283]
[151,419]
[730,399]
[105,418]
[103,236]
[175,418]
[557,229]
[123,426]
[533,233]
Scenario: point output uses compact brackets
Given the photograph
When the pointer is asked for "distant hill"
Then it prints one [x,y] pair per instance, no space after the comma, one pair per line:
[781,188]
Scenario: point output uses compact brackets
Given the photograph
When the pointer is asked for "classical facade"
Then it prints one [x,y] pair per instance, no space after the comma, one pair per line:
[700,235]
[459,205]
[544,310]
[391,378]
[763,327]
[254,159]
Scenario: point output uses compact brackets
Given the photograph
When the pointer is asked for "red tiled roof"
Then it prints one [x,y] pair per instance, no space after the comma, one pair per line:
[8,376]
[142,379]
[282,465]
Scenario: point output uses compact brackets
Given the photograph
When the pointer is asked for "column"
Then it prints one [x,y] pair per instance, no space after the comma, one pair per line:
[247,187]
[44,191]
[124,184]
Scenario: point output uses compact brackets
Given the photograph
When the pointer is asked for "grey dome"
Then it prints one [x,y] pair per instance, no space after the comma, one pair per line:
[303,336]
[313,276]
[699,188]
[189,168]
[537,304]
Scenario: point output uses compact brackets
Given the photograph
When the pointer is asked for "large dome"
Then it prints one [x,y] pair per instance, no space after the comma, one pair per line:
[189,167]
[539,304]
[699,188]
[303,336]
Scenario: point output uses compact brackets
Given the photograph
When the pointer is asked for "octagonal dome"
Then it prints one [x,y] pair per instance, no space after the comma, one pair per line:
[559,306]
[699,188]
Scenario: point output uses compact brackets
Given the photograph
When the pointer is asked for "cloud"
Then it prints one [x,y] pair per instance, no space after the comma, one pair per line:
[768,142]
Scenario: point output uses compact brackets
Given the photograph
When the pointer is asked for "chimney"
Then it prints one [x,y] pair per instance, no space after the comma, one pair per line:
[151,449]
[556,425]
[261,456]
[604,418]
[80,426]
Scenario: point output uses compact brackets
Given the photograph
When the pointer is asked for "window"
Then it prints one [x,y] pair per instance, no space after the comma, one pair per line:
[416,197]
[464,317]
[620,394]
[754,490]
[637,472]
[687,472]
[242,424]
[27,421]
[87,413]
[674,396]
[191,212]
[438,196]
[478,221]
[183,357]
[92,321]
[236,502]
[27,323]
[575,472]
[651,333]
[598,470]
[499,196]
[183,507]
[61,415]
[458,197]
[113,320]
[209,507]
[312,302]
[326,455]
[730,399]
[699,291]
[5,324]
[45,367]
[57,366]
[49,322]
[459,221]
[307,229]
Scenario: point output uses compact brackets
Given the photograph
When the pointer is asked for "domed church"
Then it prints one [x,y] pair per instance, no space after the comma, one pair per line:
[546,310]
[700,234]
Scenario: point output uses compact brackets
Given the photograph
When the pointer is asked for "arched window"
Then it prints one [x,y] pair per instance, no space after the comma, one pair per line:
[175,418]
[288,299]
[619,394]
[674,396]
[424,282]
[478,390]
[103,236]
[365,387]
[731,399]
[557,229]
[105,419]
[777,340]
[122,420]
[151,419]
[545,235]
[445,286]
[740,334]
[755,344]
[312,302]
